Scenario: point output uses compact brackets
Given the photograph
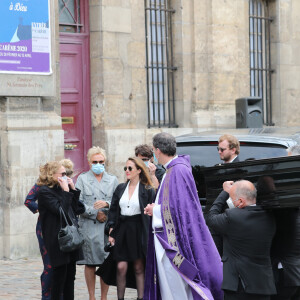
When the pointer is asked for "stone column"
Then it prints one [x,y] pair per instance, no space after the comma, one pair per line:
[29,137]
[212,54]
[285,60]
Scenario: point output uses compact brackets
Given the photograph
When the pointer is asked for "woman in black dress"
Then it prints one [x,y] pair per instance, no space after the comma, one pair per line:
[128,225]
[57,190]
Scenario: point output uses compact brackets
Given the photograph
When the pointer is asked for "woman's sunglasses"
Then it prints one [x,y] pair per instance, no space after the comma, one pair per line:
[101,162]
[129,169]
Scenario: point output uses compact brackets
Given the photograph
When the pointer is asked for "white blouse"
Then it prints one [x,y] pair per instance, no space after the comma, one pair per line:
[130,207]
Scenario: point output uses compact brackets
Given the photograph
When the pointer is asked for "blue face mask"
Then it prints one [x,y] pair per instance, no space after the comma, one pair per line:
[65,178]
[155,159]
[98,168]
[146,163]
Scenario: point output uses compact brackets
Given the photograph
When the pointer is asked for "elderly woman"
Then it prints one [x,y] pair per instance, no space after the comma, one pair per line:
[31,203]
[58,191]
[97,188]
[129,226]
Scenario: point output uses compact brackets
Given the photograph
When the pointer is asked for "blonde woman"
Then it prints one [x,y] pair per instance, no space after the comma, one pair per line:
[97,188]
[32,205]
[58,191]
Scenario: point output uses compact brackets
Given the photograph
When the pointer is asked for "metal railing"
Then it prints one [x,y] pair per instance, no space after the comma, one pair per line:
[260,56]
[159,63]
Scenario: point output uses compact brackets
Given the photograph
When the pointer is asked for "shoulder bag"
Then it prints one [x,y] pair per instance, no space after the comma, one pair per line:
[69,237]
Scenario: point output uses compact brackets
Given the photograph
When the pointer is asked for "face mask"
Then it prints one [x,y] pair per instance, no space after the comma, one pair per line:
[155,159]
[146,163]
[230,203]
[65,178]
[98,168]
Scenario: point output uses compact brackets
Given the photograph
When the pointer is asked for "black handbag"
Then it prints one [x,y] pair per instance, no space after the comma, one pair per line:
[108,247]
[69,237]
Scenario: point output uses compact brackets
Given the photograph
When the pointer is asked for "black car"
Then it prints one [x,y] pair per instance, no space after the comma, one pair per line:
[254,144]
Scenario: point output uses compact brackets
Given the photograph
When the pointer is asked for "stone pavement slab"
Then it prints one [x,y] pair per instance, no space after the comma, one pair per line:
[20,280]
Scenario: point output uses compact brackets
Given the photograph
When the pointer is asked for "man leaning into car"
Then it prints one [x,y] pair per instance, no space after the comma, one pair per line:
[247,231]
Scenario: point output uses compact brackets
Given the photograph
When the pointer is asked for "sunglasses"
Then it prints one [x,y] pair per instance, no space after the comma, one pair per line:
[63,174]
[129,169]
[94,162]
[221,149]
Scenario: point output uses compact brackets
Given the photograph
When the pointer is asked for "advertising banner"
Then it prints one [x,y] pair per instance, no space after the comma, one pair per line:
[25,45]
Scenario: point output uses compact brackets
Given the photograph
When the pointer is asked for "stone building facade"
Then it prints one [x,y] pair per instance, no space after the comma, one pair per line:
[209,63]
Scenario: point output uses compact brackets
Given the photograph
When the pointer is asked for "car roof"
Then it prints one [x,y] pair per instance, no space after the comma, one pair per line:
[280,136]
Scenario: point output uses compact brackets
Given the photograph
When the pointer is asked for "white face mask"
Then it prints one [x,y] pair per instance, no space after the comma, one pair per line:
[230,203]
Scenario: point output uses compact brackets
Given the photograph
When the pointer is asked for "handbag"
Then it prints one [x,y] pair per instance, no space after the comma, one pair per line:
[69,237]
[108,247]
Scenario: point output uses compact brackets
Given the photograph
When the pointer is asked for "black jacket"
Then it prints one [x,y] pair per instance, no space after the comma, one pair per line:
[159,172]
[49,202]
[286,246]
[146,196]
[216,236]
[247,237]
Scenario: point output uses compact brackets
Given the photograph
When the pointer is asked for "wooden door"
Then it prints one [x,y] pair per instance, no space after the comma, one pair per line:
[75,80]
[74,106]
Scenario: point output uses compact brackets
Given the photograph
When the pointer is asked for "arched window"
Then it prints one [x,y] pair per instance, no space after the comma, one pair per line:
[260,55]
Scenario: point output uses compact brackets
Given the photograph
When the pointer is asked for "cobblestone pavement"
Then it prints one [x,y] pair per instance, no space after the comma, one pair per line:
[20,280]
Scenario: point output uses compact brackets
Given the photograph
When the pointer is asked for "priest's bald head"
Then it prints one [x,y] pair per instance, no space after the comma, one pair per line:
[164,147]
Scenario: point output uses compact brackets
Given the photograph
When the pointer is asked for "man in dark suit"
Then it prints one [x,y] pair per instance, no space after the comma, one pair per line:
[247,232]
[229,149]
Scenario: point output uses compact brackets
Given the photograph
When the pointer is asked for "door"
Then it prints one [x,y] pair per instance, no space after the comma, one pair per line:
[71,88]
[75,81]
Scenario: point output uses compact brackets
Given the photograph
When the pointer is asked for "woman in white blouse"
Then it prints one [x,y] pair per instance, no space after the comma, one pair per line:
[129,225]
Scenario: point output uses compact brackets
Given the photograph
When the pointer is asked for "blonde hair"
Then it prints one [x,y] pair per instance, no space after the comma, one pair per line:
[95,150]
[144,175]
[69,166]
[232,141]
[46,173]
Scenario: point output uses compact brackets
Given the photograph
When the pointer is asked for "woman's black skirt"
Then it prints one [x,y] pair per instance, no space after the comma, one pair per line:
[128,241]
[128,247]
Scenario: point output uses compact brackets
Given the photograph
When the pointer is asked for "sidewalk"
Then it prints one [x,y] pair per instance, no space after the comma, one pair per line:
[20,280]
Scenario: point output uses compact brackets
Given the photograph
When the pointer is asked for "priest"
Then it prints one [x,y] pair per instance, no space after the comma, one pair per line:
[182,261]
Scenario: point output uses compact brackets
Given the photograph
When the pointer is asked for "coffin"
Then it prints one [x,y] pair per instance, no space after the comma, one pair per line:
[277,180]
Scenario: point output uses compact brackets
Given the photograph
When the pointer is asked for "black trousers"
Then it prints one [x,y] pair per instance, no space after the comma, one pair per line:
[241,295]
[63,278]
[285,292]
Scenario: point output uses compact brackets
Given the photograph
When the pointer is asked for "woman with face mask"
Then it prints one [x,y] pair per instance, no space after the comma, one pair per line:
[56,191]
[97,188]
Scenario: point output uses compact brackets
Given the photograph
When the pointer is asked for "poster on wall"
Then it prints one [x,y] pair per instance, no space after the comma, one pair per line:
[25,46]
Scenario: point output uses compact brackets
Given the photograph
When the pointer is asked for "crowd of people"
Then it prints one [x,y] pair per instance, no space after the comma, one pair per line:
[149,233]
